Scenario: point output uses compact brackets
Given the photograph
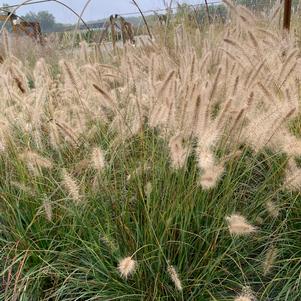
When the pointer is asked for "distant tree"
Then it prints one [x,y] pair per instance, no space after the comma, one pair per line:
[45,18]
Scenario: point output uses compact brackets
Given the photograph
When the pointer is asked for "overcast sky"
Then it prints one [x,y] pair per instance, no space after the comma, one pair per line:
[97,9]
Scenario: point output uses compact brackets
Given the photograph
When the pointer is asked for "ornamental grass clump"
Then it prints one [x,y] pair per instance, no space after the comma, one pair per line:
[184,147]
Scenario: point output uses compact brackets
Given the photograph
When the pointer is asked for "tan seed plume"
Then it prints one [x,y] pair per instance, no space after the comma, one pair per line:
[238,225]
[174,276]
[269,261]
[97,159]
[127,267]
[71,187]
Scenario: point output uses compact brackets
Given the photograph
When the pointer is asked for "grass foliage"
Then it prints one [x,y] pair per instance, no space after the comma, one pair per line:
[165,171]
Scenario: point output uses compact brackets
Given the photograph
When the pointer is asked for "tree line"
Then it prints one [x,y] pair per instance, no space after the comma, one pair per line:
[45,18]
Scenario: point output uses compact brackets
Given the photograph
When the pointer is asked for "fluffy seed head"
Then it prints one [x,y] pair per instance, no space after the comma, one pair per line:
[35,162]
[148,188]
[108,242]
[175,277]
[243,298]
[238,225]
[71,187]
[211,176]
[127,267]
[54,136]
[97,159]
[2,146]
[205,159]
[272,209]
[48,209]
[269,261]
[292,177]
[178,153]
[246,295]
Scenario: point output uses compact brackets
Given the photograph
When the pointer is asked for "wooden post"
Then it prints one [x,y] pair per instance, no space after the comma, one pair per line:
[287,14]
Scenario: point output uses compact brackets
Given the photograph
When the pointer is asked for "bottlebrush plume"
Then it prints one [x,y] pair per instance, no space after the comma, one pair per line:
[246,295]
[205,159]
[127,267]
[175,277]
[35,162]
[210,176]
[178,152]
[48,209]
[269,261]
[98,159]
[292,179]
[71,187]
[238,225]
[272,209]
[148,188]
[54,136]
[2,146]
[243,298]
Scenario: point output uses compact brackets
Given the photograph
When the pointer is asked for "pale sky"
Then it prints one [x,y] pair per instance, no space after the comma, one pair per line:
[98,9]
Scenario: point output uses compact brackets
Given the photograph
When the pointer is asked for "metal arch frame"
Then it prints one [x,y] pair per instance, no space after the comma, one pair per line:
[77,25]
[73,11]
[9,14]
[57,1]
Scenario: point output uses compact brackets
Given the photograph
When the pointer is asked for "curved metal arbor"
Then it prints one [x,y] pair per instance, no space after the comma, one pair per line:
[19,25]
[11,14]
